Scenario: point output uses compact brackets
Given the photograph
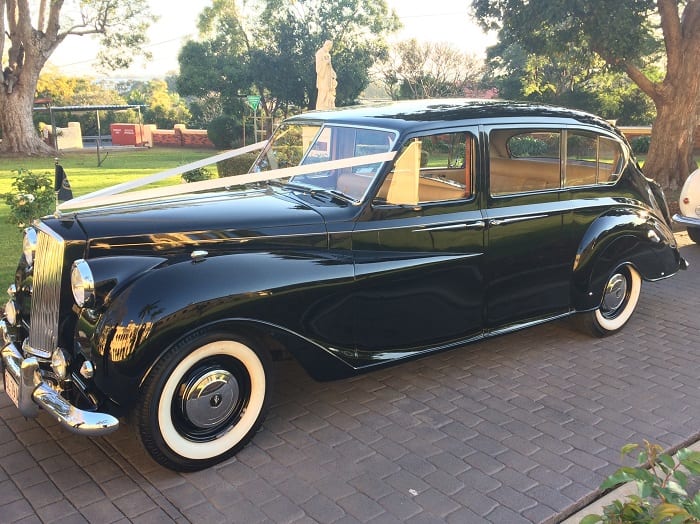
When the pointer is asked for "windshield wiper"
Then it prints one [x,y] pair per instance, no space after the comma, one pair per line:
[290,185]
[340,195]
[313,190]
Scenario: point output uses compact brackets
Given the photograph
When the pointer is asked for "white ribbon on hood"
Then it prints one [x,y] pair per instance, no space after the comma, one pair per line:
[115,194]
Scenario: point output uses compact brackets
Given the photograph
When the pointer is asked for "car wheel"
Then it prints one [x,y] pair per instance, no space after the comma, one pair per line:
[694,234]
[620,297]
[203,401]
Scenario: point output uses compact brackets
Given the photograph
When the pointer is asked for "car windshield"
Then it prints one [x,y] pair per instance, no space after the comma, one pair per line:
[296,144]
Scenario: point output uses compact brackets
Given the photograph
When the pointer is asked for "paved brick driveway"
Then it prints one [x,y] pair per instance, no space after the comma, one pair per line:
[522,428]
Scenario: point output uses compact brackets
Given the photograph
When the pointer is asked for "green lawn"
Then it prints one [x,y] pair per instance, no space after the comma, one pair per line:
[84,176]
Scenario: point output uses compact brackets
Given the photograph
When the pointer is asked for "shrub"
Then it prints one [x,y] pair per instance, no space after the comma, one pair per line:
[640,144]
[662,488]
[237,165]
[224,131]
[527,146]
[196,175]
[33,197]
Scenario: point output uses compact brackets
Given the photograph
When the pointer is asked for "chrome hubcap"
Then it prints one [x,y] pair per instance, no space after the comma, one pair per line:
[210,398]
[615,293]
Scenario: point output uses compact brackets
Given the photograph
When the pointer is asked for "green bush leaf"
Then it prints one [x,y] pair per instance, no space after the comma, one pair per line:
[690,460]
[667,461]
[681,478]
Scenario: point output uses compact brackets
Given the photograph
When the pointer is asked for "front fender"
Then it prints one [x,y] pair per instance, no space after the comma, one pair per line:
[300,294]
[621,236]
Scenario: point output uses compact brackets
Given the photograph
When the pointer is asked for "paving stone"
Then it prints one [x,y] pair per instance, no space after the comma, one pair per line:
[323,509]
[513,429]
[360,506]
[282,509]
[16,510]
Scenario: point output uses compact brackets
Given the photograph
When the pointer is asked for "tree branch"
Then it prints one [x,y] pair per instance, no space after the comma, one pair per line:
[52,23]
[24,20]
[673,37]
[650,88]
[12,16]
[2,30]
[42,16]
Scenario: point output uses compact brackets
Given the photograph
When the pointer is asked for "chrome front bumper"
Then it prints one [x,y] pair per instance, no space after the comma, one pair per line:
[32,393]
[686,221]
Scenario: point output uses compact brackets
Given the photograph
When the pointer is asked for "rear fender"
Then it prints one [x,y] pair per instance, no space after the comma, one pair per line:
[619,237]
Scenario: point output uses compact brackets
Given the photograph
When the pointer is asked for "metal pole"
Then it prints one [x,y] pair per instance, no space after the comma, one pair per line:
[255,125]
[99,138]
[54,133]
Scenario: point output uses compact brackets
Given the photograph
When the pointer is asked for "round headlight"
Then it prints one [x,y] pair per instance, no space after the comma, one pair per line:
[82,284]
[11,312]
[29,245]
[59,363]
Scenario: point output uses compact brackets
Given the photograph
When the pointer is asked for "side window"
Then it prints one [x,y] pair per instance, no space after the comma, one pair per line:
[591,159]
[581,159]
[610,160]
[524,160]
[434,168]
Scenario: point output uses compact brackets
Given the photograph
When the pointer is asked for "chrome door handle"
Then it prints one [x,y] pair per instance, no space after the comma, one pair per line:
[501,221]
[479,224]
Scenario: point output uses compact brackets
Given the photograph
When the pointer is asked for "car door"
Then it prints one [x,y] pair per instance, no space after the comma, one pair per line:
[528,255]
[419,250]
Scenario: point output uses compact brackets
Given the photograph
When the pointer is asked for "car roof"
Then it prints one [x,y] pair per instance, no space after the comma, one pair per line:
[410,114]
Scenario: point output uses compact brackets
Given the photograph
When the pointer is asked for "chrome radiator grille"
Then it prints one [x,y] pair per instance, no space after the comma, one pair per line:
[46,293]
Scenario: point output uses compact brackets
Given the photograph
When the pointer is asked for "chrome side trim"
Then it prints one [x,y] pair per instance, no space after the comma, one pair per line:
[501,221]
[479,224]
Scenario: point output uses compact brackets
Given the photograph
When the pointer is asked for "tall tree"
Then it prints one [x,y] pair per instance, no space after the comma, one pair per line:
[428,70]
[628,35]
[33,30]
[267,47]
[572,77]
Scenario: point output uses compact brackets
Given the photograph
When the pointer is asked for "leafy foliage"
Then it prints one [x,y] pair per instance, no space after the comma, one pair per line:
[662,497]
[224,131]
[33,33]
[631,37]
[640,144]
[271,50]
[162,108]
[32,198]
[571,77]
[72,91]
[196,175]
[238,165]
[427,70]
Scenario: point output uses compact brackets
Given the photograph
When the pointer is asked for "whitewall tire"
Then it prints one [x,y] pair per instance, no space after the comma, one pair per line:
[620,298]
[203,401]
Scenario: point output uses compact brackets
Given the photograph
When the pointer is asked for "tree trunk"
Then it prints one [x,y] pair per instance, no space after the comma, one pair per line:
[18,132]
[28,56]
[669,160]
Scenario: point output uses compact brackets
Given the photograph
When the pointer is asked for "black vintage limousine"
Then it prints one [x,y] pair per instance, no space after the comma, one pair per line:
[361,237]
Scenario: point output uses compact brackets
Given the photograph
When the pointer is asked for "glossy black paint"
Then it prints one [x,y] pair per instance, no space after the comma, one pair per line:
[345,288]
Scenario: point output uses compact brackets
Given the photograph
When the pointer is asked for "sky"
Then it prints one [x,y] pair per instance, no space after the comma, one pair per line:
[429,21]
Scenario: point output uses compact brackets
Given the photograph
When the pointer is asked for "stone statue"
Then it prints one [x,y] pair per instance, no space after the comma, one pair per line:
[326,80]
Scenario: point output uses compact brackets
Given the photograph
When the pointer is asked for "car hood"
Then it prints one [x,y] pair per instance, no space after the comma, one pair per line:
[234,214]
